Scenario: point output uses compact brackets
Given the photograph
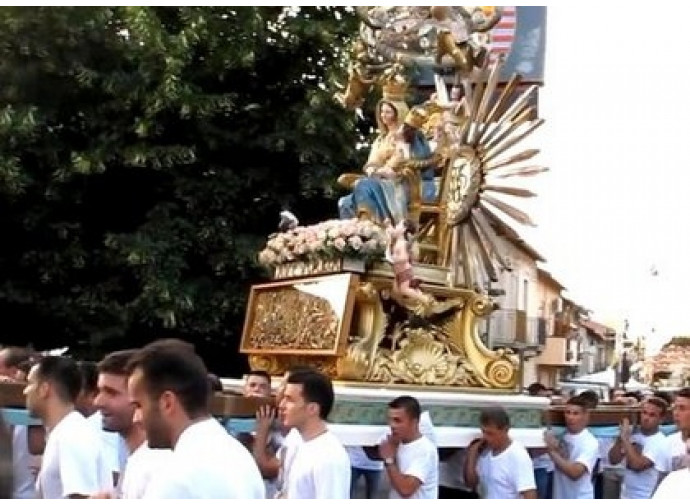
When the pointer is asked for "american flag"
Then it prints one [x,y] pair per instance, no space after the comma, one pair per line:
[502,35]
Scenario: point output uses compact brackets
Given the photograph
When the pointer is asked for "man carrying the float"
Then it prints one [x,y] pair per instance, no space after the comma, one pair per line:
[575,455]
[646,452]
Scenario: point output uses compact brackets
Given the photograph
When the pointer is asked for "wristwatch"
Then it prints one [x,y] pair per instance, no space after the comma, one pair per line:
[388,461]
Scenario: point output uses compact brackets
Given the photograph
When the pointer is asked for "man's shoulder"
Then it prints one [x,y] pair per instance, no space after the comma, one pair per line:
[587,439]
[422,447]
[519,451]
[76,430]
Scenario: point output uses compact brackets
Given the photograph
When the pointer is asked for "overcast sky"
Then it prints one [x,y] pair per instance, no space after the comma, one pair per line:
[615,203]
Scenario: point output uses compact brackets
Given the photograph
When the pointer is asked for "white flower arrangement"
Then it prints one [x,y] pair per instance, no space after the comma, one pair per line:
[355,238]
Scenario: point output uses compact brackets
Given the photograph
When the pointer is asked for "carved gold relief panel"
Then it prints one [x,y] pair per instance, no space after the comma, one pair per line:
[306,316]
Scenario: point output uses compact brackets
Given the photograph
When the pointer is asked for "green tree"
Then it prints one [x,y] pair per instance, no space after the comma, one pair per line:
[144,156]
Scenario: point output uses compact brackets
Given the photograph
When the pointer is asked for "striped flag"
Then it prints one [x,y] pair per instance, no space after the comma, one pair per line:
[502,36]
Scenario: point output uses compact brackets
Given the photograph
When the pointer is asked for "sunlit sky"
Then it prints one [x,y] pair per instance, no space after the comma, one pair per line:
[615,203]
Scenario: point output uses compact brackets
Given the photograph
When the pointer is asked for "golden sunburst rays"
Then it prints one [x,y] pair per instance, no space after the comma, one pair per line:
[480,198]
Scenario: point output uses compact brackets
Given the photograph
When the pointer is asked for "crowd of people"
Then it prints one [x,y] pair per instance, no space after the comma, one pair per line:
[138,425]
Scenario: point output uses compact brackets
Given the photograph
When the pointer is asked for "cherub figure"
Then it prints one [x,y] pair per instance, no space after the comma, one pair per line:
[400,253]
[357,88]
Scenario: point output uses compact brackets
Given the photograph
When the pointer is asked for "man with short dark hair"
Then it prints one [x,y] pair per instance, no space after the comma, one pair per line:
[73,463]
[679,441]
[676,485]
[114,450]
[575,456]
[274,442]
[257,383]
[169,388]
[409,457]
[319,467]
[645,454]
[499,466]
[117,417]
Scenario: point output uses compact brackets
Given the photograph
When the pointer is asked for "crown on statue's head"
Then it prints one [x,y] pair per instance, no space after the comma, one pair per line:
[417,117]
[394,88]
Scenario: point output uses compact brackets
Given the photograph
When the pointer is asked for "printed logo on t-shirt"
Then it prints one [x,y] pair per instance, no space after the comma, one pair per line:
[565,448]
[680,462]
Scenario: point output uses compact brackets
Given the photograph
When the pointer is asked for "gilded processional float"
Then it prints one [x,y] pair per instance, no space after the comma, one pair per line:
[392,291]
[387,298]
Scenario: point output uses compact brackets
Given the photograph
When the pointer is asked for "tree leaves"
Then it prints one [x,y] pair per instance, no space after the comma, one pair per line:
[144,155]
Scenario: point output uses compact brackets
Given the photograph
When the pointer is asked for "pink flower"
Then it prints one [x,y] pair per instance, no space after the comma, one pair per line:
[339,243]
[348,230]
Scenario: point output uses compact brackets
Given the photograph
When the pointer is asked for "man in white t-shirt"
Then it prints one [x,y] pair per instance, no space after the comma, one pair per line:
[409,457]
[169,388]
[500,467]
[257,383]
[73,463]
[114,452]
[678,441]
[645,453]
[575,455]
[117,418]
[318,467]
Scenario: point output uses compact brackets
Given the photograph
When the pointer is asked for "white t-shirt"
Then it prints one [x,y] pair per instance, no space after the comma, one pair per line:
[506,475]
[73,461]
[115,450]
[286,455]
[426,427]
[360,460]
[207,463]
[24,480]
[318,469]
[582,448]
[142,464]
[641,485]
[675,486]
[679,450]
[419,459]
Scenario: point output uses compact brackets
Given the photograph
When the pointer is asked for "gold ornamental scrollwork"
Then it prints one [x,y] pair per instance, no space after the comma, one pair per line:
[502,372]
[279,364]
[375,338]
[443,350]
[268,363]
[496,369]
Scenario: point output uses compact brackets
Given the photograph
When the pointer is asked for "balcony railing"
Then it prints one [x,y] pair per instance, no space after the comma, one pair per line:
[505,327]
